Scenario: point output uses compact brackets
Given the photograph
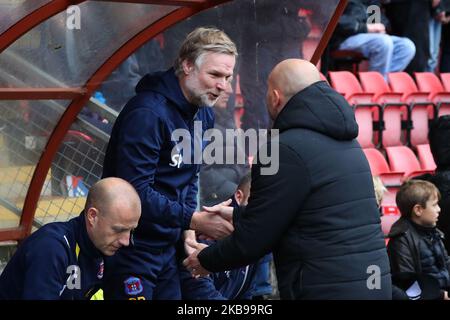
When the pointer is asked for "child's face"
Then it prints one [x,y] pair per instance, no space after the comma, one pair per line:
[429,215]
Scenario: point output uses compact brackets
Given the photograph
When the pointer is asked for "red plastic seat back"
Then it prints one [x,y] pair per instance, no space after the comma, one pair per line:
[387,221]
[402,159]
[420,116]
[428,82]
[364,118]
[445,77]
[377,162]
[345,83]
[426,157]
[401,82]
[392,133]
[373,82]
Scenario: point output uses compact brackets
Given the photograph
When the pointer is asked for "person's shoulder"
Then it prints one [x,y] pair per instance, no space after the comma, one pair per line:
[400,228]
[148,102]
[54,238]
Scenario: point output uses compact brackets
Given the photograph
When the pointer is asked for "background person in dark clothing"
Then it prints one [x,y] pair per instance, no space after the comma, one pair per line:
[272,31]
[318,213]
[49,263]
[440,148]
[219,181]
[410,18]
[415,243]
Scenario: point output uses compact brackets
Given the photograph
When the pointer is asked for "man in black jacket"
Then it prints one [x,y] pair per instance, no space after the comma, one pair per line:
[318,213]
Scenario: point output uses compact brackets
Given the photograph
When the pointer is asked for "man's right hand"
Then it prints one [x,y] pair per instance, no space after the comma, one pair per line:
[376,28]
[211,224]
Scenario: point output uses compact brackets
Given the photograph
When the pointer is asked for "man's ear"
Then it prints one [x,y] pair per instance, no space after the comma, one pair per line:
[239,196]
[92,215]
[188,67]
[276,99]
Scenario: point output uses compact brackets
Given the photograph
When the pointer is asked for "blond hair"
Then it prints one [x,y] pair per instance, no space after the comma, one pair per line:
[201,41]
[380,189]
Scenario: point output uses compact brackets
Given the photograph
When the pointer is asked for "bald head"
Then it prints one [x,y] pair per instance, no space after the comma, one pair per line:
[293,75]
[287,79]
[113,209]
[110,192]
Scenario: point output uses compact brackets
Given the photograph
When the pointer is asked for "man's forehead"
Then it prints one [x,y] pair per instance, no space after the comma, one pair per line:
[220,61]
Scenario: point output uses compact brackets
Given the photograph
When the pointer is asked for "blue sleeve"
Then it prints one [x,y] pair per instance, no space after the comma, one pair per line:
[198,288]
[46,265]
[140,141]
[191,197]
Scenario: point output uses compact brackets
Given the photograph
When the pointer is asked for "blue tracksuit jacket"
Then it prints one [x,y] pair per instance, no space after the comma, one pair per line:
[44,265]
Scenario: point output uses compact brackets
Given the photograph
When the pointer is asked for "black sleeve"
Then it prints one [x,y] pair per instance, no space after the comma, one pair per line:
[401,256]
[274,202]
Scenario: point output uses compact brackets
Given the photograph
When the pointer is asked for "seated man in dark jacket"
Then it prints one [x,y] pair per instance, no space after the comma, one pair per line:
[415,243]
[317,213]
[64,260]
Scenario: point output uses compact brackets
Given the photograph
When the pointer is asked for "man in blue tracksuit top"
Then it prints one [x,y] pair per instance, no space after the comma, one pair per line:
[64,260]
[148,149]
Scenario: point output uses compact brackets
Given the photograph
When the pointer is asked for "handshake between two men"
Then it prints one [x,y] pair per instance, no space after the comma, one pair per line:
[213,223]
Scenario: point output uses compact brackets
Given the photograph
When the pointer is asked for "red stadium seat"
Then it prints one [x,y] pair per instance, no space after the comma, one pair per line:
[373,82]
[366,111]
[426,157]
[421,107]
[403,159]
[445,78]
[379,167]
[387,221]
[429,82]
[391,102]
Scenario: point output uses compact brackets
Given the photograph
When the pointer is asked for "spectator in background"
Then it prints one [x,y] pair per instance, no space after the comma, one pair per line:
[386,53]
[272,31]
[415,244]
[440,148]
[444,65]
[219,181]
[437,19]
[411,19]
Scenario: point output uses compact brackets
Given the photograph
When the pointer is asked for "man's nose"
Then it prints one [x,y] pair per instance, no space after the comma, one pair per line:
[125,240]
[222,84]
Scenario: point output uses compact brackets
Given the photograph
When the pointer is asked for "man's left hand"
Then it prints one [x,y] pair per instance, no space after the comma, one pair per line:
[192,263]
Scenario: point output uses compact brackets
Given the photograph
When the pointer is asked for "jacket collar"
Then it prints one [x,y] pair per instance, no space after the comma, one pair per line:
[82,238]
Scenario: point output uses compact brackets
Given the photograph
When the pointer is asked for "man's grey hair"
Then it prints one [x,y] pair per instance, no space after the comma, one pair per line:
[201,41]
